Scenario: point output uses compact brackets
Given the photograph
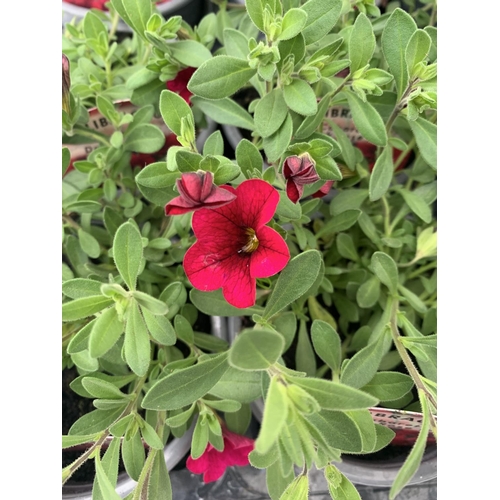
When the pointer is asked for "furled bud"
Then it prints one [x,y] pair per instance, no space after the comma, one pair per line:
[298,172]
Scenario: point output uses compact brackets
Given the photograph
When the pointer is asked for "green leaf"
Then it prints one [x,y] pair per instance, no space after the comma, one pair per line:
[136,344]
[105,333]
[173,109]
[300,97]
[341,222]
[107,490]
[214,304]
[327,344]
[305,360]
[321,18]
[78,288]
[367,119]
[255,350]
[158,481]
[248,157]
[199,440]
[214,145]
[127,253]
[333,395]
[160,328]
[183,387]
[346,247]
[363,366]
[95,421]
[220,77]
[239,385]
[255,10]
[368,293]
[156,306]
[99,388]
[84,307]
[270,113]
[294,281]
[386,270]
[276,144]
[139,13]
[395,37]
[425,134]
[339,486]
[311,123]
[414,459]
[276,481]
[417,49]
[190,52]
[361,43]
[413,300]
[381,176]
[238,421]
[133,455]
[89,244]
[225,111]
[388,386]
[297,489]
[145,138]
[292,24]
[274,416]
[235,43]
[93,26]
[69,441]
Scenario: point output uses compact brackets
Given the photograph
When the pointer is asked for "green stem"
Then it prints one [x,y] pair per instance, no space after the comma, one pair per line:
[96,136]
[387,217]
[422,269]
[403,154]
[71,468]
[405,357]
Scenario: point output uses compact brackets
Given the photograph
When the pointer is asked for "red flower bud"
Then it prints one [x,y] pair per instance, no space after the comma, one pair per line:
[197,190]
[298,171]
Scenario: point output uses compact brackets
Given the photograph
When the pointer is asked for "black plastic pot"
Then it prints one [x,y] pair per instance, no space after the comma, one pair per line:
[173,452]
[364,471]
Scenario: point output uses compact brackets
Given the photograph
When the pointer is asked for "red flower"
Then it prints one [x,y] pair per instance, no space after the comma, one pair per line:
[179,84]
[323,190]
[298,171]
[235,246]
[197,190]
[213,463]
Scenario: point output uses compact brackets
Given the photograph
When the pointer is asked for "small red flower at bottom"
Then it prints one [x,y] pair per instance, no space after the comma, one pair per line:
[235,246]
[213,463]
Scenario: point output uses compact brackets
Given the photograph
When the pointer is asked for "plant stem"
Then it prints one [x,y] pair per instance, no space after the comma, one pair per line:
[85,132]
[422,269]
[405,357]
[387,217]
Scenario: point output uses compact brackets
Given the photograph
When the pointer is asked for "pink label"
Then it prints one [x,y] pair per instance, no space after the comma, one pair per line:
[406,424]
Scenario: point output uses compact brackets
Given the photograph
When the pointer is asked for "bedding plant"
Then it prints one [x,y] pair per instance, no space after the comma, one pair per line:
[320,232]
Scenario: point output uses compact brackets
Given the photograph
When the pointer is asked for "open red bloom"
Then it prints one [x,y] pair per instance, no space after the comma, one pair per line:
[213,463]
[179,84]
[235,246]
[298,171]
[197,190]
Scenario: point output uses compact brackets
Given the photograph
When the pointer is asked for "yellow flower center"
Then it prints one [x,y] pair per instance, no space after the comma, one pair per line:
[252,242]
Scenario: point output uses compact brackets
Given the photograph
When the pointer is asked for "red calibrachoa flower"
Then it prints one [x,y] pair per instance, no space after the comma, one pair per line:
[235,246]
[197,190]
[298,172]
[179,84]
[213,463]
[324,190]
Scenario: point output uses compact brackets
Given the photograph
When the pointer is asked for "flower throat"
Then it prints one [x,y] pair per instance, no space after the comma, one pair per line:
[252,242]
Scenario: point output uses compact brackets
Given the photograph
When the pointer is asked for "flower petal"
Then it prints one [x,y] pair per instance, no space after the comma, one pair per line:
[256,203]
[293,191]
[203,267]
[271,256]
[202,463]
[239,288]
[216,470]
